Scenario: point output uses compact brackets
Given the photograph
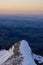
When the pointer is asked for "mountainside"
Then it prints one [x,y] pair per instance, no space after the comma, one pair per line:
[19,54]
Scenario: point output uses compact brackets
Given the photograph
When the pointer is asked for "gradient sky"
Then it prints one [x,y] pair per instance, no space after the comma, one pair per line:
[21,6]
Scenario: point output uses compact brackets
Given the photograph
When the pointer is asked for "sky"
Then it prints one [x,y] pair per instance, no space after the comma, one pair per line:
[21,6]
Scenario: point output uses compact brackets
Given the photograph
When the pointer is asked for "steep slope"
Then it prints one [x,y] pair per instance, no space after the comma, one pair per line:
[27,53]
[5,54]
[21,54]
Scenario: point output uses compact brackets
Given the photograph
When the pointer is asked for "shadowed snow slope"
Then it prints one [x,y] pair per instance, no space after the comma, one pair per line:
[38,58]
[5,54]
[27,57]
[27,53]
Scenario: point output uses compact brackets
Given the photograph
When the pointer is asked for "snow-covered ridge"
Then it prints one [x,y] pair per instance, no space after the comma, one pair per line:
[5,54]
[27,53]
[28,56]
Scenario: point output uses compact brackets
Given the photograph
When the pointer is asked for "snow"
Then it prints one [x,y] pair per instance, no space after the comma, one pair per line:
[27,53]
[38,58]
[5,54]
[25,50]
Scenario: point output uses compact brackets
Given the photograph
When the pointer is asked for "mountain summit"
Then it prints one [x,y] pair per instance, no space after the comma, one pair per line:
[19,54]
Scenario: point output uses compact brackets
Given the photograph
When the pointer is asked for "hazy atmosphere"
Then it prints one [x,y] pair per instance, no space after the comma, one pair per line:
[21,6]
[21,32]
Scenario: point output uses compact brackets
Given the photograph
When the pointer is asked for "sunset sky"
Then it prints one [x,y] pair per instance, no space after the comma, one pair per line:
[21,6]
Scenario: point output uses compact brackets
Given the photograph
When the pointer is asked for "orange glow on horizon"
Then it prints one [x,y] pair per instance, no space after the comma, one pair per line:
[12,6]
